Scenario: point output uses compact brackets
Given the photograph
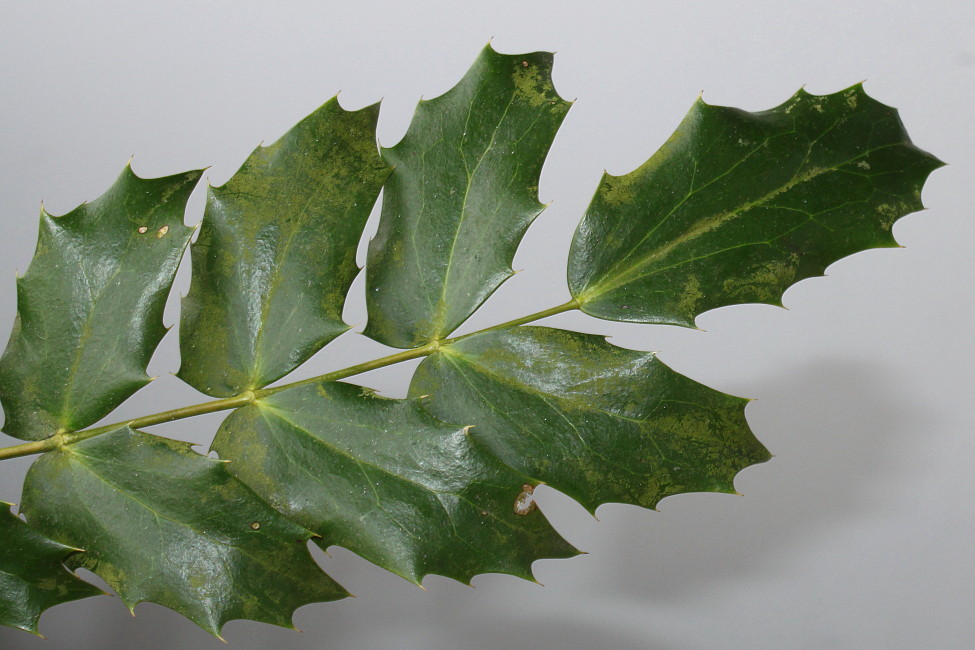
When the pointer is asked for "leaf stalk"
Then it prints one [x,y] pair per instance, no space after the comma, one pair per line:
[59,440]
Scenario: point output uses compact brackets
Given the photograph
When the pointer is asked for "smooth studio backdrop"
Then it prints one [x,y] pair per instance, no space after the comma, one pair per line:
[858,534]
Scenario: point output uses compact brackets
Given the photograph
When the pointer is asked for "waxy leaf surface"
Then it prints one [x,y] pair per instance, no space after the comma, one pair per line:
[738,206]
[463,192]
[89,308]
[161,523]
[32,574]
[276,253]
[385,479]
[597,422]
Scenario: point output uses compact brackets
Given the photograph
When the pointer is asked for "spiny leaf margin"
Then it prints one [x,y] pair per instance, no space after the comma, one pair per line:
[161,523]
[597,422]
[90,307]
[459,200]
[383,478]
[33,576]
[738,206]
[276,253]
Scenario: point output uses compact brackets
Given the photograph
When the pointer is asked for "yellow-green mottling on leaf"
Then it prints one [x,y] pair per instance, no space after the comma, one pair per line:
[463,191]
[276,253]
[597,422]
[742,205]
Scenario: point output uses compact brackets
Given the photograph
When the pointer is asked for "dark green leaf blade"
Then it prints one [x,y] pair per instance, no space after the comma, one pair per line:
[600,423]
[161,523]
[276,253]
[387,481]
[89,308]
[463,192]
[738,206]
[33,577]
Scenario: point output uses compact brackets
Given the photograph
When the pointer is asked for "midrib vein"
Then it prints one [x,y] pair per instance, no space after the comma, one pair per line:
[439,320]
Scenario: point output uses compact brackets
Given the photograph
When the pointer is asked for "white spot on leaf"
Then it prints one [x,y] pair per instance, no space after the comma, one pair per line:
[525,502]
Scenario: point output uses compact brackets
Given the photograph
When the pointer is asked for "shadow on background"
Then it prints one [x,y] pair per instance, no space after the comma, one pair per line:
[833,429]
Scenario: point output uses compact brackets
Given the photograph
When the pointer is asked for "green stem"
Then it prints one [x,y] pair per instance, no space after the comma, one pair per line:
[366,366]
[569,306]
[61,439]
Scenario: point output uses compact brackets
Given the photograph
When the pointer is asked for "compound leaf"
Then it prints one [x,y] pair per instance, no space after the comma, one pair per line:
[161,523]
[276,253]
[89,308]
[597,422]
[738,206]
[32,574]
[463,192]
[734,208]
[385,479]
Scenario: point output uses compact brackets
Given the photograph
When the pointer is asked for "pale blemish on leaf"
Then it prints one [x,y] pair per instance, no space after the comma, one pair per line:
[525,501]
[162,232]
[690,297]
[143,230]
[618,190]
[531,86]
[762,281]
[887,210]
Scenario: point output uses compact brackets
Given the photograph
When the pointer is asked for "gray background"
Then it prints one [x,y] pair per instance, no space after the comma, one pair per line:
[859,533]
